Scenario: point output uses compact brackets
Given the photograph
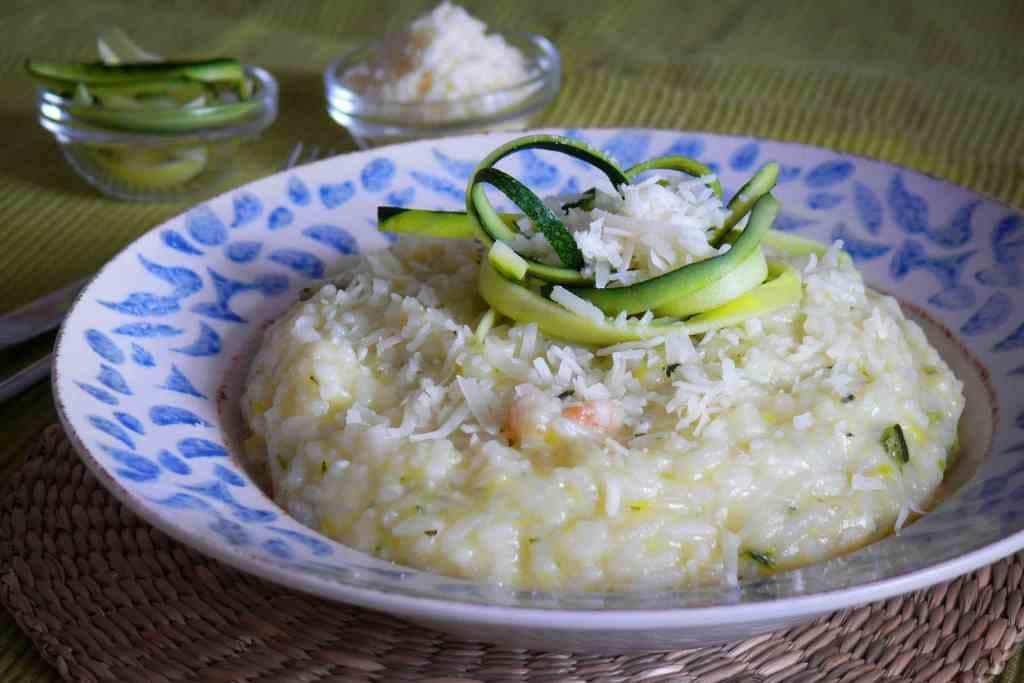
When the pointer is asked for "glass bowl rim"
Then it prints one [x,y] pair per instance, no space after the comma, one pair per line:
[350,103]
[55,116]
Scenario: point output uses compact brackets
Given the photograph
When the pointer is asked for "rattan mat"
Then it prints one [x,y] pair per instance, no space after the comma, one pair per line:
[106,597]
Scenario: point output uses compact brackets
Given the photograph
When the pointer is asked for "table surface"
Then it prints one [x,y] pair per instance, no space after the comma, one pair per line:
[926,84]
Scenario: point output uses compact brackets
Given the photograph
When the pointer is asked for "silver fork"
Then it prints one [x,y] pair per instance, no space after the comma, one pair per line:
[48,312]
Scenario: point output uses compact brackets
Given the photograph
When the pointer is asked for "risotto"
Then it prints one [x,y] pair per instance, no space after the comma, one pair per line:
[515,458]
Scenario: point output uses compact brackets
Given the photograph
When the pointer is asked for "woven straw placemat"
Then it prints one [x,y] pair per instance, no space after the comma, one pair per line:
[922,83]
[106,597]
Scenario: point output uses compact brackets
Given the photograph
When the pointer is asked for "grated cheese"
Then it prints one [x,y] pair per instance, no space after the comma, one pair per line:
[444,55]
[803,421]
[562,296]
[649,230]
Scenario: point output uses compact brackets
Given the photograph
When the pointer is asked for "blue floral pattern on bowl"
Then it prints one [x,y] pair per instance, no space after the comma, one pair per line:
[145,361]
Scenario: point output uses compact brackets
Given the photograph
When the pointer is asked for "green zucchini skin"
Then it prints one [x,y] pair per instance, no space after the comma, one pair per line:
[521,304]
[485,218]
[682,289]
[745,198]
[453,225]
[181,80]
[476,200]
[167,120]
[555,143]
[702,290]
[741,279]
[800,246]
[96,73]
[782,288]
[584,203]
[507,262]
[457,225]
[180,88]
[681,282]
[540,215]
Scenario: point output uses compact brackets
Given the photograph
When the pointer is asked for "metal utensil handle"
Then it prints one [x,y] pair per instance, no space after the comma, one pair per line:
[41,315]
[26,377]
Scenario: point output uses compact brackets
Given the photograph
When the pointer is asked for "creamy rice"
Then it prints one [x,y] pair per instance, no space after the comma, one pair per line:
[530,462]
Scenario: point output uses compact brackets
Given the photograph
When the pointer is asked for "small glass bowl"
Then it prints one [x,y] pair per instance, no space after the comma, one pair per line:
[138,166]
[373,122]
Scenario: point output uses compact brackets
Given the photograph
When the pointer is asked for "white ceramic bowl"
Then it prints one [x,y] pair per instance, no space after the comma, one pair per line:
[149,363]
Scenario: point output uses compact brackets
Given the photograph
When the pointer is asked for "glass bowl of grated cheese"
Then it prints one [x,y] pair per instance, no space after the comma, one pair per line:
[444,75]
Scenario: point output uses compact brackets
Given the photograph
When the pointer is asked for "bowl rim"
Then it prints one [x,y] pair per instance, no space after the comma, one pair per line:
[557,618]
[55,115]
[347,103]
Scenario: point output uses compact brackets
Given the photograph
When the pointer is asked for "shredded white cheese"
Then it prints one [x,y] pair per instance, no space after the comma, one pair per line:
[803,421]
[562,296]
[730,545]
[649,230]
[443,56]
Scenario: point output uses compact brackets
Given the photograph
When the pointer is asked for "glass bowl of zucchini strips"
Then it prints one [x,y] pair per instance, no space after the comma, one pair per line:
[373,121]
[153,130]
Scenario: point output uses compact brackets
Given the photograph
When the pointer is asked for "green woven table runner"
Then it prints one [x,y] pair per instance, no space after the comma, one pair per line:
[937,86]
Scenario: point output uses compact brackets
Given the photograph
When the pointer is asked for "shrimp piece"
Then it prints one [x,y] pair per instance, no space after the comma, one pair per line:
[529,422]
[602,415]
[528,417]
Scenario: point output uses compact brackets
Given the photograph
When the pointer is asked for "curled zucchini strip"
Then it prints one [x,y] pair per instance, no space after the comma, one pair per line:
[716,292]
[749,274]
[168,120]
[487,220]
[524,305]
[782,288]
[800,246]
[139,92]
[227,71]
[682,282]
[675,162]
[453,225]
[745,199]
[181,90]
[457,225]
[507,262]
[540,215]
[149,168]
